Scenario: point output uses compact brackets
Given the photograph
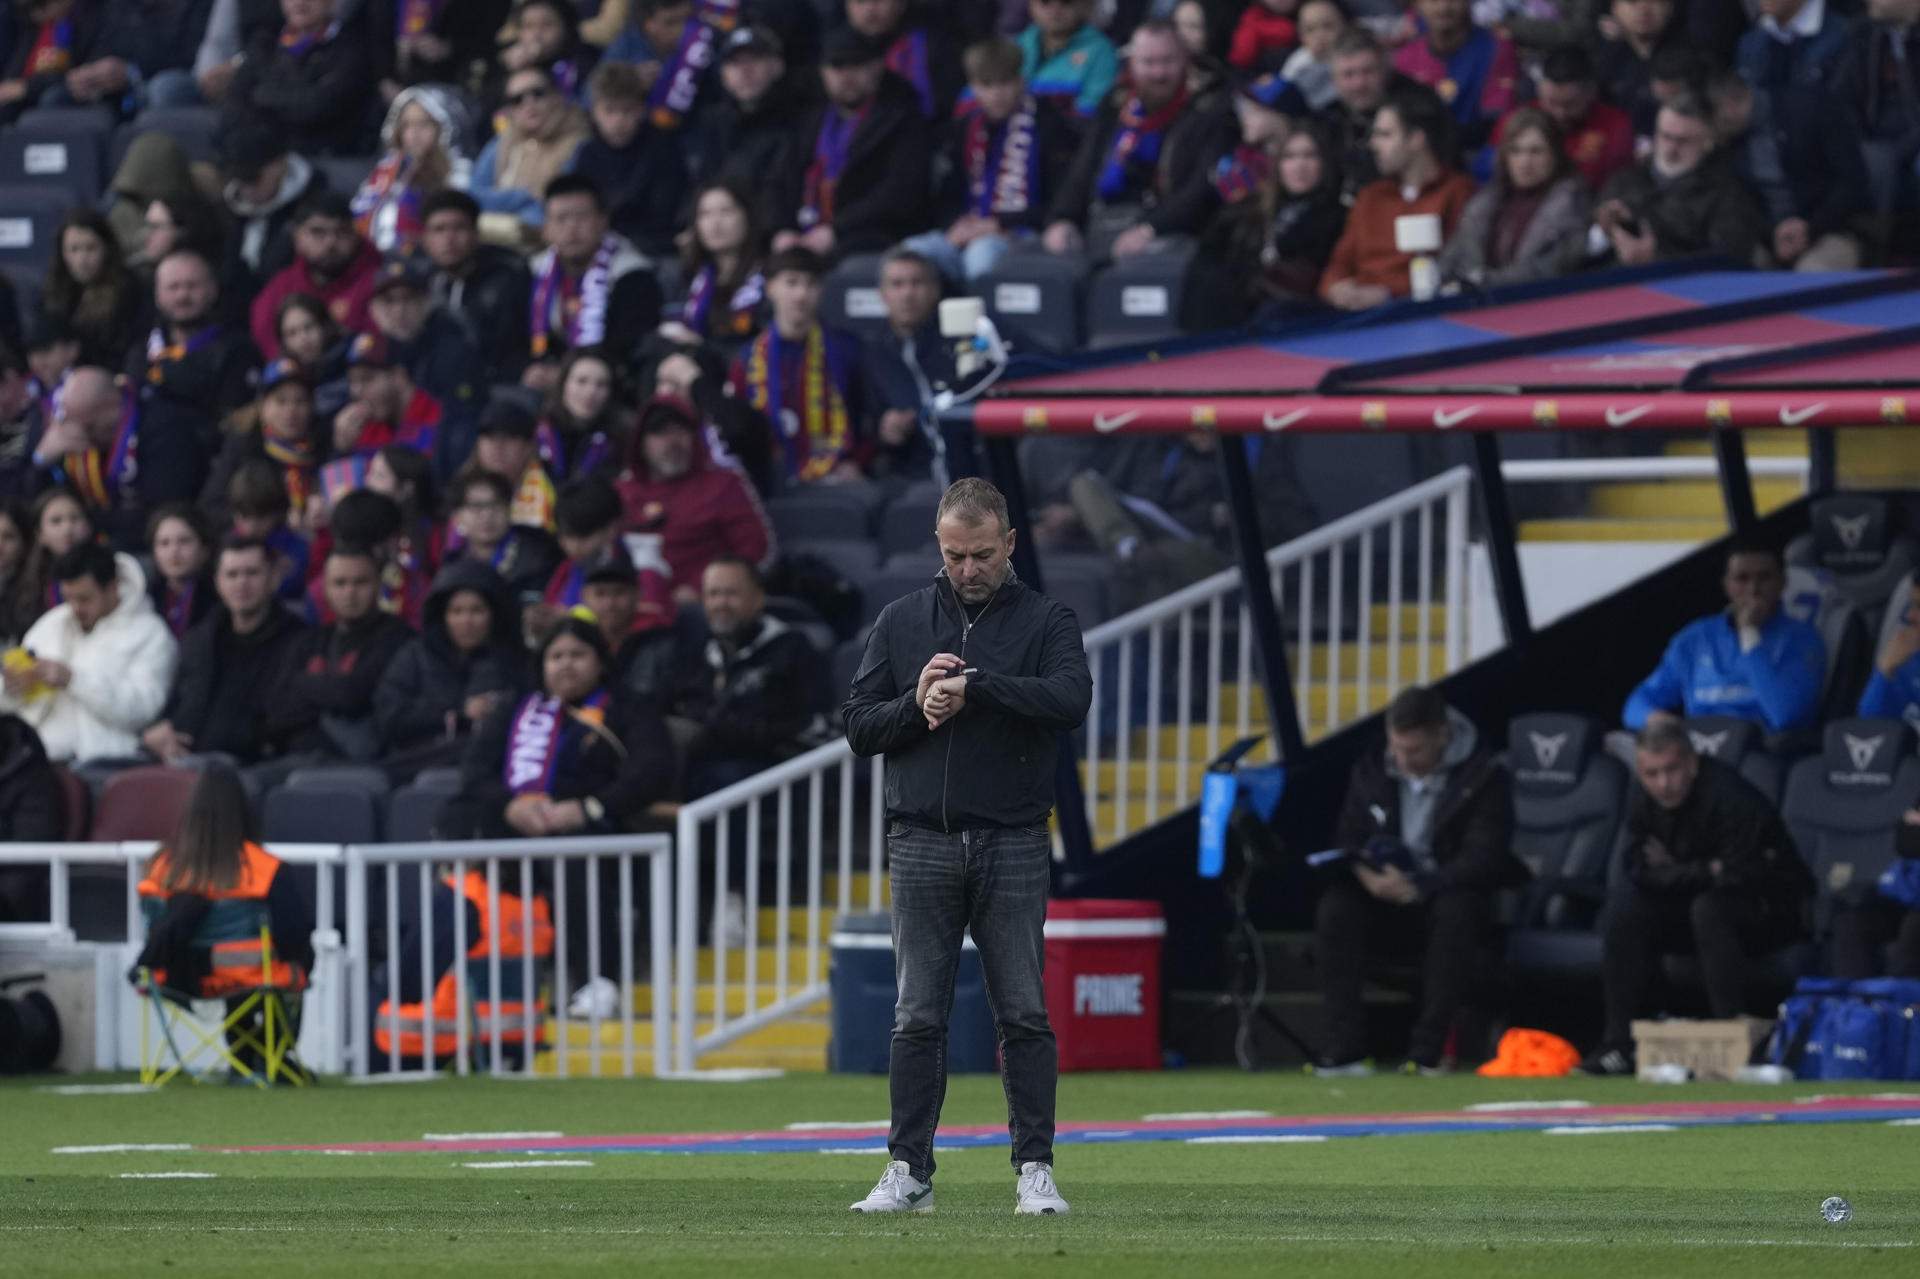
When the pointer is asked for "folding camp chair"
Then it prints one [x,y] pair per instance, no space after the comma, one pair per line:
[255,1034]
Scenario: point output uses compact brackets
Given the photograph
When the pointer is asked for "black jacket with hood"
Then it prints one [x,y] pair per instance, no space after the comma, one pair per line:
[220,697]
[1471,841]
[753,698]
[1725,820]
[33,809]
[991,765]
[885,192]
[429,681]
[491,300]
[323,698]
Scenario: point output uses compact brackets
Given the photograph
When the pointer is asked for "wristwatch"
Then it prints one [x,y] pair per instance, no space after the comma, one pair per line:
[594,809]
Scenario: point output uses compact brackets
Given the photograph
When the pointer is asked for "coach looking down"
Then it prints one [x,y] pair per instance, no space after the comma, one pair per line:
[966,686]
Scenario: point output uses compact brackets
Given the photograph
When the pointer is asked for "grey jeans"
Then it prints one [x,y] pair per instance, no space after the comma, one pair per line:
[994,883]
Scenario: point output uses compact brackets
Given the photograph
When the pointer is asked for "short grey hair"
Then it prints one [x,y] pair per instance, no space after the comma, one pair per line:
[973,501]
[912,257]
[1666,735]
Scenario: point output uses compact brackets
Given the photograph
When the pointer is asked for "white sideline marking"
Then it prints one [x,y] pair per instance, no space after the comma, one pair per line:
[487,1136]
[1577,1130]
[123,1148]
[856,1150]
[827,1125]
[1903,1123]
[1259,1139]
[531,1163]
[168,1176]
[403,1077]
[1495,1107]
[732,1075]
[1176,1116]
[95,1090]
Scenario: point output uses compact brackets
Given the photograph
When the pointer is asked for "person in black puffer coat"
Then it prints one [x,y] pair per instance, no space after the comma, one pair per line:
[464,665]
[32,809]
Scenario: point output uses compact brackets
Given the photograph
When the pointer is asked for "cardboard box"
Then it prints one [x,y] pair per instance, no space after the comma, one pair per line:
[1710,1049]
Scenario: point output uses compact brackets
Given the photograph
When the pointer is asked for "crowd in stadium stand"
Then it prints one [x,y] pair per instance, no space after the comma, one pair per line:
[382,470]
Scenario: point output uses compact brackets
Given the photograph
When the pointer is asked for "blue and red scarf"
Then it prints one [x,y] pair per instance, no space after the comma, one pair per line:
[100,477]
[1136,147]
[908,59]
[592,454]
[831,148]
[178,608]
[678,84]
[52,50]
[161,353]
[414,17]
[386,208]
[566,584]
[297,46]
[545,728]
[743,308]
[1003,162]
[1241,172]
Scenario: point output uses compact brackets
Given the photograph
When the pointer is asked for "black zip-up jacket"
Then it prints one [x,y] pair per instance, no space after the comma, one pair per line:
[1723,819]
[491,300]
[992,765]
[884,193]
[221,695]
[1472,838]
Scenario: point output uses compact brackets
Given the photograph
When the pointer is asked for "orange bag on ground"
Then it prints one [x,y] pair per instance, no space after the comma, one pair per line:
[1531,1054]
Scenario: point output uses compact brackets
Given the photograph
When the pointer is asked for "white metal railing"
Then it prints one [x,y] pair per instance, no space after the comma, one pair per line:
[542,865]
[1311,584]
[823,781]
[1624,469]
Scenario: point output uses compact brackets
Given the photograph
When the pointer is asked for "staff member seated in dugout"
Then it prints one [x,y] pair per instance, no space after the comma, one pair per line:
[212,864]
[1427,828]
[1714,873]
[1750,660]
[514,932]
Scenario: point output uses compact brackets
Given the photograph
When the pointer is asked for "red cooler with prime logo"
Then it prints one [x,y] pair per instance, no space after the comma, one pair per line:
[1103,982]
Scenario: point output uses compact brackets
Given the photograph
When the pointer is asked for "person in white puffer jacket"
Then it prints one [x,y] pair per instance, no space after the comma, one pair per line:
[103,660]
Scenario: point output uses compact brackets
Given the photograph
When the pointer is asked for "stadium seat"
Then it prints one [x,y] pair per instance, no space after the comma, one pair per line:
[1569,800]
[1035,299]
[1843,805]
[64,151]
[315,814]
[1137,299]
[344,173]
[804,618]
[1081,583]
[142,803]
[850,296]
[438,778]
[906,526]
[850,557]
[900,575]
[194,128]
[29,220]
[413,810]
[1893,613]
[1739,744]
[1851,552]
[26,292]
[823,511]
[77,800]
[364,776]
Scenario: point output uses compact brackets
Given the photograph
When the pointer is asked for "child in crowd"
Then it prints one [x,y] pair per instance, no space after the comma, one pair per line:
[1265,37]
[481,530]
[426,151]
[259,507]
[641,170]
[1310,69]
[181,584]
[805,378]
[60,523]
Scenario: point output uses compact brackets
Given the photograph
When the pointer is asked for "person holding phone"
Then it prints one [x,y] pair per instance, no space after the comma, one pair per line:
[1685,198]
[966,687]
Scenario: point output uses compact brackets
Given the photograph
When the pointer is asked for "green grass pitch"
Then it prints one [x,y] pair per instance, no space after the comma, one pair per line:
[1724,1203]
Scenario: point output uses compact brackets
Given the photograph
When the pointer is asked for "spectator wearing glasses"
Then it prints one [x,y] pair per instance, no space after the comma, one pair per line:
[524,557]
[543,131]
[1686,197]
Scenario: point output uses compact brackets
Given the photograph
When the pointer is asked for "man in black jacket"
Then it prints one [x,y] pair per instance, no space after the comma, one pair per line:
[747,693]
[228,662]
[749,130]
[863,170]
[966,687]
[321,702]
[1714,873]
[1145,168]
[1426,827]
[1799,151]
[485,287]
[310,81]
[33,810]
[438,354]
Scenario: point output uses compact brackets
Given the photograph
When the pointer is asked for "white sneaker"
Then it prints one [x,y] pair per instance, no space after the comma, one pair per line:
[598,998]
[1037,1196]
[897,1191]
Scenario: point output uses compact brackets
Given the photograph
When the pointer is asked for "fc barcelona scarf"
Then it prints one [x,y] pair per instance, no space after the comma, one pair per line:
[52,50]
[592,453]
[178,609]
[297,46]
[1240,173]
[830,151]
[161,353]
[534,500]
[543,728]
[908,59]
[1136,146]
[1003,163]
[100,477]
[386,208]
[416,16]
[814,435]
[678,84]
[743,308]
[298,463]
[587,324]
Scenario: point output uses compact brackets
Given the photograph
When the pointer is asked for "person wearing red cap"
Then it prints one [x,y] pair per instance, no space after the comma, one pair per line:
[672,489]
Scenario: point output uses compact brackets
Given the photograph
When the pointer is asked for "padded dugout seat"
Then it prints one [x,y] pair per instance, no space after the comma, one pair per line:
[850,296]
[1739,744]
[1569,806]
[823,511]
[1034,299]
[1851,552]
[64,151]
[1843,806]
[29,220]
[1138,299]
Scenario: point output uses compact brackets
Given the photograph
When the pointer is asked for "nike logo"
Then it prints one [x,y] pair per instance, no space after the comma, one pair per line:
[1627,417]
[1794,417]
[1281,421]
[1445,418]
[918,1195]
[1103,422]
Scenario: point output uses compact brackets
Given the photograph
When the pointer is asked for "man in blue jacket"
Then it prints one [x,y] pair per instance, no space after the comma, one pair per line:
[966,687]
[1894,690]
[1750,661]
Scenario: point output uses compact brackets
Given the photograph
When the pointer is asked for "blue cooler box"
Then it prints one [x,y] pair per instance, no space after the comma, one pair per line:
[861,981]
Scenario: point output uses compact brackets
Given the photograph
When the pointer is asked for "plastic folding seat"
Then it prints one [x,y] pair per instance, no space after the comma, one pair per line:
[1034,298]
[372,780]
[316,814]
[344,173]
[29,223]
[64,151]
[194,128]
[1569,798]
[823,511]
[142,803]
[77,800]
[1739,744]
[906,526]
[413,810]
[900,575]
[850,557]
[850,296]
[1137,299]
[1843,805]
[1852,552]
